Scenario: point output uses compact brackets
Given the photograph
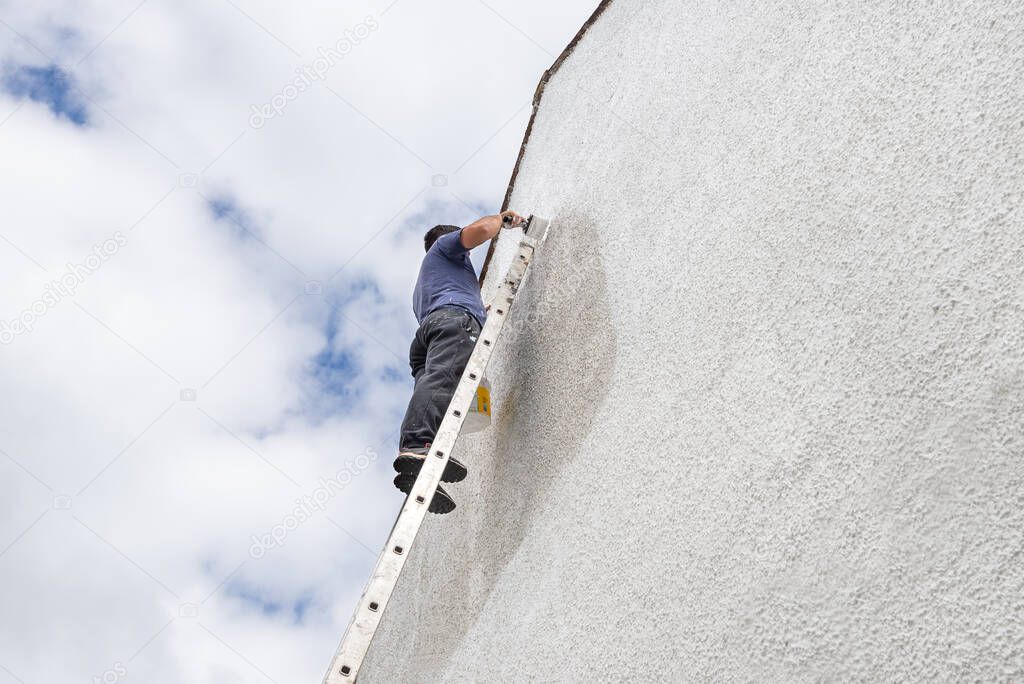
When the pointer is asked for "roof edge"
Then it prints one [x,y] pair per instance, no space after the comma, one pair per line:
[537,95]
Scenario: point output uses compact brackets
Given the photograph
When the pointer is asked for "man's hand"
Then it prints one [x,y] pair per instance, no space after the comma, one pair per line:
[482,230]
[510,219]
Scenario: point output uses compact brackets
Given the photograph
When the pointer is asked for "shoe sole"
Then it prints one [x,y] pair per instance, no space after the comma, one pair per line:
[441,503]
[410,464]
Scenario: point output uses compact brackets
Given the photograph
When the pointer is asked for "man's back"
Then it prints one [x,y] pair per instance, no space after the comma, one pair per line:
[447,278]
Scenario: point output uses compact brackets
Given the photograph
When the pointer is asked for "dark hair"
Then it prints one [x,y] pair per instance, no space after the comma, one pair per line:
[437,231]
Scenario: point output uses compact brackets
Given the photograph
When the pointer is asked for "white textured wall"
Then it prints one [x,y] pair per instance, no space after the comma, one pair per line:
[761,414]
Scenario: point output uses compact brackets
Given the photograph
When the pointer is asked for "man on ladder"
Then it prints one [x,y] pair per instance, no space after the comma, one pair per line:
[448,365]
[450,312]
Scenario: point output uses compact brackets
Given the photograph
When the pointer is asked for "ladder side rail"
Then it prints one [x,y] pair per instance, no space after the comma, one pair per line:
[355,643]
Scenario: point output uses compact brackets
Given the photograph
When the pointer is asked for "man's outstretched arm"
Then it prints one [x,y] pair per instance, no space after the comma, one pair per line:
[480,231]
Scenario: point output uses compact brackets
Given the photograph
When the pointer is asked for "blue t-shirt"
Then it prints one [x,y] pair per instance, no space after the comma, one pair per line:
[447,278]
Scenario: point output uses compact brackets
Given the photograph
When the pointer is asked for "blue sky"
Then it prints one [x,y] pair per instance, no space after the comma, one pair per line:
[213,221]
[48,85]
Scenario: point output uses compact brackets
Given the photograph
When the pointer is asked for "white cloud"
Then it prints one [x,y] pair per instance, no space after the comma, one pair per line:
[123,504]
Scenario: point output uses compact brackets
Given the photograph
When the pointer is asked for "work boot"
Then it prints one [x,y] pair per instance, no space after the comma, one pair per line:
[410,461]
[441,503]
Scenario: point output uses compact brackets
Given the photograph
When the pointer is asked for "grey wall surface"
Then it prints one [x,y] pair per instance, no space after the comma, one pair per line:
[759,413]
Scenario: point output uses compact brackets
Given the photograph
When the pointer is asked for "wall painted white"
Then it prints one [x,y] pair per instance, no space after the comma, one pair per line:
[761,413]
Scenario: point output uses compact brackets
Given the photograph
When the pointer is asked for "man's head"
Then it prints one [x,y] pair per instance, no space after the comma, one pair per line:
[437,231]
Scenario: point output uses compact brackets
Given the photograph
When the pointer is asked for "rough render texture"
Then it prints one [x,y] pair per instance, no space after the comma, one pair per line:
[759,412]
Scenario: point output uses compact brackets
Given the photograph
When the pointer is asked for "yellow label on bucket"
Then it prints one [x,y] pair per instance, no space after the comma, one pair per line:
[483,400]
[479,415]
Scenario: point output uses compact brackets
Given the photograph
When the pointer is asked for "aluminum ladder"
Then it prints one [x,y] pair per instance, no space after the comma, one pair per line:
[367,618]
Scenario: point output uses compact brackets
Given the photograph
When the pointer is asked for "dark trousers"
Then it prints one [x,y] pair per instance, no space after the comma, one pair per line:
[438,355]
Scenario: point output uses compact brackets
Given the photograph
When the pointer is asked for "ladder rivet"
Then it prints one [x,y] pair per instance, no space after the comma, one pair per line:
[457,413]
[487,342]
[420,499]
[500,312]
[440,454]
[346,670]
[472,376]
[399,550]
[374,606]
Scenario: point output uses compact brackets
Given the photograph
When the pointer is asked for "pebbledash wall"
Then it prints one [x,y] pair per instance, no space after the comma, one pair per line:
[760,413]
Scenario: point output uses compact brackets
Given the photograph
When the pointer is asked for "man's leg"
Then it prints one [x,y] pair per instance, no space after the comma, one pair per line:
[449,336]
[438,356]
[412,426]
